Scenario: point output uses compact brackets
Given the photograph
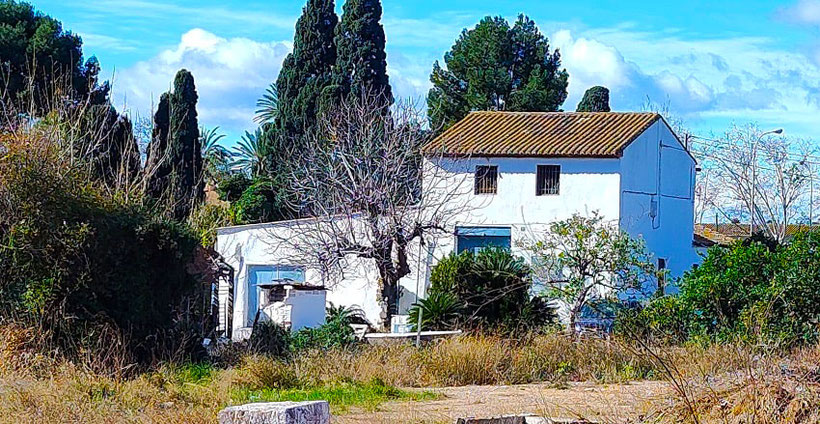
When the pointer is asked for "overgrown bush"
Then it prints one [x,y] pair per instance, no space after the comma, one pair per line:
[750,291]
[76,260]
[487,289]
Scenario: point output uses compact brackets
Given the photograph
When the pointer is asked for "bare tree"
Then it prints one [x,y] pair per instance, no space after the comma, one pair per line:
[764,174]
[360,180]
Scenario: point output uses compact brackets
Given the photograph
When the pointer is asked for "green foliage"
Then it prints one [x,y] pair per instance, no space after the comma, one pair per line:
[106,139]
[270,339]
[306,72]
[37,56]
[184,145]
[334,333]
[252,154]
[217,159]
[596,99]
[441,310]
[231,187]
[666,319]
[262,201]
[496,67]
[581,257]
[488,289]
[158,165]
[206,219]
[361,61]
[75,259]
[749,291]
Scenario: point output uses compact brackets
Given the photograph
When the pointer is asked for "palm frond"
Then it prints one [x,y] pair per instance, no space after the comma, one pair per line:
[267,106]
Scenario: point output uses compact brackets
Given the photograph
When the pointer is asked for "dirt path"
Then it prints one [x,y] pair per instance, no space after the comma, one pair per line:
[614,403]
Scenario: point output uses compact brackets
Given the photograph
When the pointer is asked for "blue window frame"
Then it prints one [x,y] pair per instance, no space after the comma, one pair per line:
[476,238]
[266,274]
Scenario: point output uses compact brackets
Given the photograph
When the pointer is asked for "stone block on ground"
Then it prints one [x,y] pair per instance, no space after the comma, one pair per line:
[314,412]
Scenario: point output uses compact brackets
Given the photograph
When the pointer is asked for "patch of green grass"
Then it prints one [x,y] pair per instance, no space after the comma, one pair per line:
[196,373]
[340,396]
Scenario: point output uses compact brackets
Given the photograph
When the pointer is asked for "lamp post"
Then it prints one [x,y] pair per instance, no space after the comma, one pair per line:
[754,178]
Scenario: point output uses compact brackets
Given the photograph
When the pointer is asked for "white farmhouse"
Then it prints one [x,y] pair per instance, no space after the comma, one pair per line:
[523,171]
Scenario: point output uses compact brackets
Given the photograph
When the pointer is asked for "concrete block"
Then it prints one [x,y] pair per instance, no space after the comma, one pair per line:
[315,412]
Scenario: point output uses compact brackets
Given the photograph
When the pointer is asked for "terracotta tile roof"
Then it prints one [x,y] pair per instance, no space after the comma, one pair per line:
[554,134]
[727,233]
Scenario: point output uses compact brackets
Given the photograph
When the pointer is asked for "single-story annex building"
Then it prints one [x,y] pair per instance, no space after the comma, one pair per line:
[524,170]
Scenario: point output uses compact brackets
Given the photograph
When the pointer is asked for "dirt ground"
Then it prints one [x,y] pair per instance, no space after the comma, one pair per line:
[615,403]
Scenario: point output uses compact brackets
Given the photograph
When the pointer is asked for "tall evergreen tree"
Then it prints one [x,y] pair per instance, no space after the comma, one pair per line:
[107,142]
[361,62]
[497,67]
[306,72]
[157,163]
[185,145]
[596,99]
[174,164]
[41,61]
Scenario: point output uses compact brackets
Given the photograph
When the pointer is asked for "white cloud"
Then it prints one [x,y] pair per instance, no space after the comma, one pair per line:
[590,62]
[804,12]
[230,74]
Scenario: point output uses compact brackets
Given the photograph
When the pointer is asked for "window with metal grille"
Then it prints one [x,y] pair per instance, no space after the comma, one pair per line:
[486,179]
[548,178]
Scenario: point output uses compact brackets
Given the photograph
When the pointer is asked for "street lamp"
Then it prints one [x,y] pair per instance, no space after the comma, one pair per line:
[754,178]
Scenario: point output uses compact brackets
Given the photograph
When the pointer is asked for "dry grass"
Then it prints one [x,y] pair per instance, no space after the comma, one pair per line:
[741,384]
[722,383]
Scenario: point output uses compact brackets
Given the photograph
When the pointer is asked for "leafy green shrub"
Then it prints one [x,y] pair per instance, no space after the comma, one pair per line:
[487,289]
[262,201]
[232,187]
[752,291]
[666,319]
[334,333]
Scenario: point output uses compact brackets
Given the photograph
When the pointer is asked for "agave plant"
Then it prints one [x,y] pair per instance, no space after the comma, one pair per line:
[267,106]
[251,154]
[216,157]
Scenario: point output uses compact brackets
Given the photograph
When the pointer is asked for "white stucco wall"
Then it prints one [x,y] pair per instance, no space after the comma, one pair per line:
[253,245]
[656,168]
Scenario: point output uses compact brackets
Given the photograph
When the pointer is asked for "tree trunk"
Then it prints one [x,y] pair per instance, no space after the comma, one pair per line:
[389,296]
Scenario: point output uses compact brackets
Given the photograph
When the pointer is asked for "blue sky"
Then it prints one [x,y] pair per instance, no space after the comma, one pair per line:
[714,62]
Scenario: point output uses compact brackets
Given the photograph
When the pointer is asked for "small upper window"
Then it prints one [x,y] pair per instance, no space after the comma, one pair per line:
[548,180]
[486,179]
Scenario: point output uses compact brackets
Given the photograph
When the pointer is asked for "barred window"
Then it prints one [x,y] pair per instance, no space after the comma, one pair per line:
[548,179]
[486,179]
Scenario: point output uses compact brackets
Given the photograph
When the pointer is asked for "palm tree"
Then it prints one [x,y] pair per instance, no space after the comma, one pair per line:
[251,153]
[217,158]
[267,106]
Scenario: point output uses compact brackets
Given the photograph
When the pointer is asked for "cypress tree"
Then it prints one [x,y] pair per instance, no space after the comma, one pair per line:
[361,62]
[596,99]
[157,164]
[306,72]
[185,145]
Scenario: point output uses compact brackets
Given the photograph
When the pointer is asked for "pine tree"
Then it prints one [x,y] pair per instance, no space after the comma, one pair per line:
[185,145]
[306,72]
[361,63]
[596,99]
[497,67]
